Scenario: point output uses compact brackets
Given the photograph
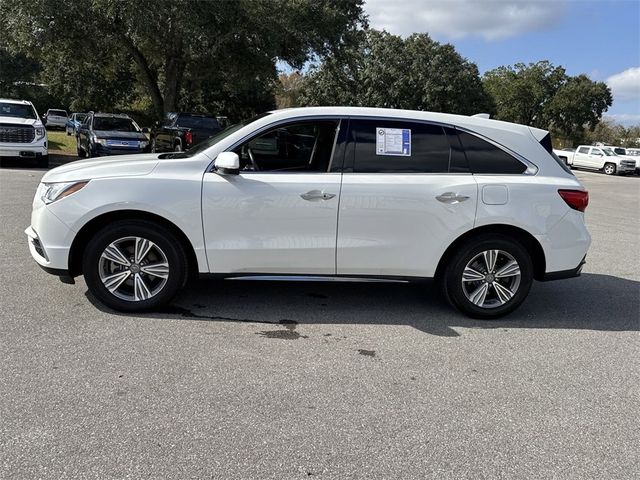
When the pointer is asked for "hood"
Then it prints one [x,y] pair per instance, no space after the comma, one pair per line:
[116,134]
[34,122]
[116,166]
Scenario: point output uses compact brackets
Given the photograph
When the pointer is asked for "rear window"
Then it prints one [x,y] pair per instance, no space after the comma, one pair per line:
[17,110]
[484,157]
[205,123]
[58,113]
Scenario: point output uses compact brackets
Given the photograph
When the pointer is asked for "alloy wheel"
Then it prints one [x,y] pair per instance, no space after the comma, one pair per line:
[491,278]
[133,269]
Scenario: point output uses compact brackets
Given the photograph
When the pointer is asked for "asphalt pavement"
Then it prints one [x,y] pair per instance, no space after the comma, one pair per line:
[280,380]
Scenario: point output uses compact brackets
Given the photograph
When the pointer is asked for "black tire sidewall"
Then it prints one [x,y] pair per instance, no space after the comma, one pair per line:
[167,242]
[453,276]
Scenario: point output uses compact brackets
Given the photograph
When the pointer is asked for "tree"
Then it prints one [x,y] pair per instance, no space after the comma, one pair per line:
[544,96]
[181,42]
[377,69]
[289,89]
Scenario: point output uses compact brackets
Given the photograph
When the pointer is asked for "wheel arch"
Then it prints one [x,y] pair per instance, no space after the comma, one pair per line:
[527,240]
[95,224]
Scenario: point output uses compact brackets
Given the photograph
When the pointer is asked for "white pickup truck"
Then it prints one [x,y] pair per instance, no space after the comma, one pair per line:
[597,158]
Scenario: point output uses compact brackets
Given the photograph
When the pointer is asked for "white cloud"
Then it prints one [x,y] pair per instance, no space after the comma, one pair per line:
[625,86]
[489,19]
[625,119]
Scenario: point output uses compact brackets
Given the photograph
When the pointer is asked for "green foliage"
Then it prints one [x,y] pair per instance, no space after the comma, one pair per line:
[181,54]
[611,133]
[378,69]
[544,96]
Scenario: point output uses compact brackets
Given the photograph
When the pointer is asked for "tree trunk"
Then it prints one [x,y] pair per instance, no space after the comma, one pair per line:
[148,75]
[174,70]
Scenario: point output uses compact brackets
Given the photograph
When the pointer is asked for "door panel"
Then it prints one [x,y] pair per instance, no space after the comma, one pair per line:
[394,224]
[259,222]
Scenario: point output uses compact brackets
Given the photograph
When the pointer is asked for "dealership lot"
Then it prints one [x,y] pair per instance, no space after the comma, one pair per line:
[291,380]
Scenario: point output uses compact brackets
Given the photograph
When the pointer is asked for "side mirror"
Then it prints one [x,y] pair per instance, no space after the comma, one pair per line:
[146,130]
[227,163]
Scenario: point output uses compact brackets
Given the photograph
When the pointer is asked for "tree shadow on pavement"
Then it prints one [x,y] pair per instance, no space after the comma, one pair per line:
[589,302]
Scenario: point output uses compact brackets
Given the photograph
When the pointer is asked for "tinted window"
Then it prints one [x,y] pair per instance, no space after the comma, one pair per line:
[114,124]
[58,113]
[483,157]
[583,150]
[205,123]
[298,147]
[385,146]
[17,110]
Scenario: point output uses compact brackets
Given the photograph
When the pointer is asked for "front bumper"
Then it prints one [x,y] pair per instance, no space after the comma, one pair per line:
[24,150]
[49,239]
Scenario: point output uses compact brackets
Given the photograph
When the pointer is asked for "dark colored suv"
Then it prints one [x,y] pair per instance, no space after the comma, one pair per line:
[180,131]
[102,134]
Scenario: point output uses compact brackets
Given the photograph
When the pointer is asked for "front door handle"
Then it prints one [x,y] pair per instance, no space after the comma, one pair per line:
[451,198]
[315,195]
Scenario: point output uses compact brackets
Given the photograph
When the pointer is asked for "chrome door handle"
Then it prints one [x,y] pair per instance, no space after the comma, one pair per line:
[314,195]
[451,198]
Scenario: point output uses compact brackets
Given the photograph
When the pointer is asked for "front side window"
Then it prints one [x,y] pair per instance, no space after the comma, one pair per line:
[596,151]
[392,146]
[297,147]
[486,158]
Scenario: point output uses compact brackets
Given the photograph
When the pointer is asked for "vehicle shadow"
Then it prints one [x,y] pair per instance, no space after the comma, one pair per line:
[590,302]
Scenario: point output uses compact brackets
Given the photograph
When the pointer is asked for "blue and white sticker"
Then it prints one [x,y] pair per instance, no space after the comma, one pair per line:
[393,141]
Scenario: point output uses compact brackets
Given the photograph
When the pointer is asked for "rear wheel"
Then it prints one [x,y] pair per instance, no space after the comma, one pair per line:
[610,168]
[488,277]
[133,266]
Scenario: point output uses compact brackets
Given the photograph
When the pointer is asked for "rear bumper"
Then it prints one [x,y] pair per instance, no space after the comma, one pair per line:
[571,273]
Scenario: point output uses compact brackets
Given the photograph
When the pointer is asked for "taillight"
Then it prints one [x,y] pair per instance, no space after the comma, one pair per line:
[576,199]
[188,138]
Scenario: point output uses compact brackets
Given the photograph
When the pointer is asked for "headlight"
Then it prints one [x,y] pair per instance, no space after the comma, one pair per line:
[101,141]
[40,132]
[143,144]
[55,191]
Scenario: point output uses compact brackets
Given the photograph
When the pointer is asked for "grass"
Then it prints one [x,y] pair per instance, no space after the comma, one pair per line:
[60,143]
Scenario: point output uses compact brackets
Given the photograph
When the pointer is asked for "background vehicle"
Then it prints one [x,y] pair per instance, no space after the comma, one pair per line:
[22,134]
[597,158]
[109,134]
[55,118]
[73,122]
[181,131]
[480,205]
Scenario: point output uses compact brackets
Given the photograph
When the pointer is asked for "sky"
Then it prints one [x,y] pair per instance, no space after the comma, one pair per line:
[600,38]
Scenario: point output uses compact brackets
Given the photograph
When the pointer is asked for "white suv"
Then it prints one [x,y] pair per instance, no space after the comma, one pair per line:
[22,134]
[480,205]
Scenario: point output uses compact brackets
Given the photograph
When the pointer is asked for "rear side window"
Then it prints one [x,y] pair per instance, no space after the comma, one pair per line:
[390,146]
[483,157]
[583,150]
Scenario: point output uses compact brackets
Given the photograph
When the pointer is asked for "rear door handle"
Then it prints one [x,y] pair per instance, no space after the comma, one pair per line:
[451,198]
[315,195]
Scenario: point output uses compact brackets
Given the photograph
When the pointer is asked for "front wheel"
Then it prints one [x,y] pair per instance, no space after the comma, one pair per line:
[134,266]
[488,277]
[609,168]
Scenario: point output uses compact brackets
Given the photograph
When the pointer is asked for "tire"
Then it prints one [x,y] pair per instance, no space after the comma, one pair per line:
[130,295]
[81,153]
[152,148]
[495,302]
[609,168]
[43,161]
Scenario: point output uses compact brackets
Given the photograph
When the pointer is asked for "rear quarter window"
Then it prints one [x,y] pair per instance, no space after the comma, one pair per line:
[484,157]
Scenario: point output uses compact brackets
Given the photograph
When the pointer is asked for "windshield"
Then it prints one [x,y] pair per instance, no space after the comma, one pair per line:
[619,151]
[80,117]
[58,113]
[17,110]
[205,123]
[117,124]
[209,142]
[609,153]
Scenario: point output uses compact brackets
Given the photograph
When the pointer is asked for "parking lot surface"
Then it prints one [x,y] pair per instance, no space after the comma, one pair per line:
[282,380]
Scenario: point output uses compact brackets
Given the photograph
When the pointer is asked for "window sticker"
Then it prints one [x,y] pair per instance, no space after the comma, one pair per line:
[393,141]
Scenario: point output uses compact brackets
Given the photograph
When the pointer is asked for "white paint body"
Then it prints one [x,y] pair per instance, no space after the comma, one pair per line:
[12,149]
[373,224]
[594,158]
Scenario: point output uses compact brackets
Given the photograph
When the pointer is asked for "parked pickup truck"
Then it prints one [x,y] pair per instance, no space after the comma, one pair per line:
[181,131]
[597,158]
